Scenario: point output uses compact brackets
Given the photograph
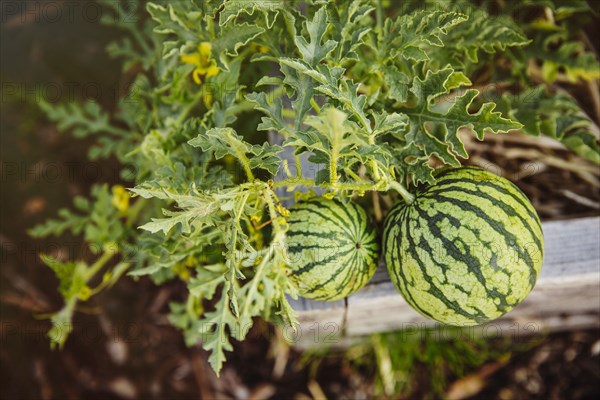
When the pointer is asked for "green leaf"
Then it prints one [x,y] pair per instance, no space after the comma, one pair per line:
[482,33]
[389,123]
[349,25]
[224,141]
[213,330]
[176,18]
[570,56]
[409,35]
[199,210]
[413,163]
[269,9]
[415,53]
[313,51]
[230,39]
[266,157]
[69,221]
[434,126]
[100,224]
[70,275]
[397,82]
[304,91]
[274,119]
[88,119]
[207,280]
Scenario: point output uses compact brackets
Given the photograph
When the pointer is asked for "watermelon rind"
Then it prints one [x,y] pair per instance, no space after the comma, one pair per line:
[332,248]
[467,250]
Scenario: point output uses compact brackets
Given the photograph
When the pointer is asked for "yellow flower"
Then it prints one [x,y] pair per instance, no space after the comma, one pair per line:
[120,198]
[205,64]
[182,271]
[257,48]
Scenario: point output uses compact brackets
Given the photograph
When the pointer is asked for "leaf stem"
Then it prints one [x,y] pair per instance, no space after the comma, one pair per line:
[189,107]
[333,167]
[108,253]
[380,186]
[379,14]
[298,166]
[406,195]
[241,156]
[135,210]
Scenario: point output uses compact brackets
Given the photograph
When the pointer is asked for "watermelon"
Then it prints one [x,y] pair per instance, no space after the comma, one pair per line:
[467,250]
[331,247]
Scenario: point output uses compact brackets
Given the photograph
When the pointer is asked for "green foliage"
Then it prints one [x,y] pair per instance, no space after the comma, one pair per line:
[555,115]
[74,284]
[224,141]
[426,123]
[98,220]
[557,48]
[370,94]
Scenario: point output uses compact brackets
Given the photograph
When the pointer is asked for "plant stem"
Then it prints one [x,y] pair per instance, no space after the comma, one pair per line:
[293,182]
[199,95]
[357,186]
[379,14]
[272,211]
[100,262]
[406,195]
[134,211]
[333,167]
[338,185]
[241,156]
[298,166]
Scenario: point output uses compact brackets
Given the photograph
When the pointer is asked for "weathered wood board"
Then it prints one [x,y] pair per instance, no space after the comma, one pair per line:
[567,295]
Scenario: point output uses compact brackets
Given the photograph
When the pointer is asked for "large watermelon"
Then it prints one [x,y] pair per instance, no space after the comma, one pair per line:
[331,247]
[467,250]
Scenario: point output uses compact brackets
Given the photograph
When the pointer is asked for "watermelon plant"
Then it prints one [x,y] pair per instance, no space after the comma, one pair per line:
[239,107]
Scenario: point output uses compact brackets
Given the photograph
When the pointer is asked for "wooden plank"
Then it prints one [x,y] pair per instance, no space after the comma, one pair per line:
[567,294]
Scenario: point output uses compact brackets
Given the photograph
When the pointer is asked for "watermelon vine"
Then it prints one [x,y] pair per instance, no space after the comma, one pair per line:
[241,108]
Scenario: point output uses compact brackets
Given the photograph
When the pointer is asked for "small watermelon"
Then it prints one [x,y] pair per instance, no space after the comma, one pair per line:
[467,250]
[332,248]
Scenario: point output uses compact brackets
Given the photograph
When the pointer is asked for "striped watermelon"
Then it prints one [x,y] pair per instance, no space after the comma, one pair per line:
[467,250]
[331,248]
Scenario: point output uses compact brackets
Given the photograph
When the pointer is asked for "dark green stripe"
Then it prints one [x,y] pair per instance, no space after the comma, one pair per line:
[340,224]
[443,173]
[500,204]
[334,274]
[322,235]
[359,221]
[299,248]
[324,261]
[509,238]
[433,289]
[473,263]
[526,205]
[503,306]
[397,270]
